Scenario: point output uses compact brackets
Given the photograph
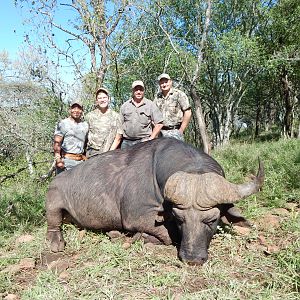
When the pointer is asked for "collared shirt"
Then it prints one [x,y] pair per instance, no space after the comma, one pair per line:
[138,120]
[74,135]
[103,128]
[172,106]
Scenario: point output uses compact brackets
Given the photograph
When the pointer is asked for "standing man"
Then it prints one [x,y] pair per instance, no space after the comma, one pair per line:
[175,107]
[105,127]
[141,118]
[70,138]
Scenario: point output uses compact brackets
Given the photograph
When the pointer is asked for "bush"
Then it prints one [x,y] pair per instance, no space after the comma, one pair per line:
[22,205]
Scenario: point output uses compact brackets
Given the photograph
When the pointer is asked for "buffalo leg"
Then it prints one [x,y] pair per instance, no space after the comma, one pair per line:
[54,220]
[159,232]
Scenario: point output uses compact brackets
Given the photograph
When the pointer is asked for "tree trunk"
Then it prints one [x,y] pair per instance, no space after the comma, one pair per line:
[195,97]
[216,127]
[269,115]
[288,103]
[200,120]
[227,125]
[257,118]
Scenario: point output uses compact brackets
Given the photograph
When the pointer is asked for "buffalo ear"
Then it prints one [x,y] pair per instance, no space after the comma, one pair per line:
[231,215]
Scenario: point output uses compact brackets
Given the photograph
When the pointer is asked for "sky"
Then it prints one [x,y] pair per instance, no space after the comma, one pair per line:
[13,31]
[11,28]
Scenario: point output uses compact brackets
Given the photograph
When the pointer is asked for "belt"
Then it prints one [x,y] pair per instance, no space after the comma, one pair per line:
[131,140]
[74,156]
[170,127]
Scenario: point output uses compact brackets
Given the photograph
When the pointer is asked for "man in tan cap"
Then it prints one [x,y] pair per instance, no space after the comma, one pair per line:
[105,127]
[141,118]
[175,106]
[70,138]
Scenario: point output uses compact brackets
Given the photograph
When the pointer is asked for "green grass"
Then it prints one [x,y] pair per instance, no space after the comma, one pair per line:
[239,267]
[282,169]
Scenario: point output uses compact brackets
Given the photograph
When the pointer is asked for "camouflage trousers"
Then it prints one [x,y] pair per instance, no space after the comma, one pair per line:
[92,152]
[173,133]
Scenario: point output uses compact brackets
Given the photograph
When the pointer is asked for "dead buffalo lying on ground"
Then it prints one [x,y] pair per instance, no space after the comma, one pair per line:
[164,188]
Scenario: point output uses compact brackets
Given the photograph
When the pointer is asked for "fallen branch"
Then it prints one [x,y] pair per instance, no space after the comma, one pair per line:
[42,177]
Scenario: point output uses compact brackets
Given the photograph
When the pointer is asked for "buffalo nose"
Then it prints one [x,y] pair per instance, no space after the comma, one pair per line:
[199,261]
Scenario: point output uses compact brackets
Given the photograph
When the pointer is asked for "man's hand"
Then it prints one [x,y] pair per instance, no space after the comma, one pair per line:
[60,163]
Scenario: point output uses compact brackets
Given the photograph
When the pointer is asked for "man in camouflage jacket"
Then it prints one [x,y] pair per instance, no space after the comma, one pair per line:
[175,106]
[105,127]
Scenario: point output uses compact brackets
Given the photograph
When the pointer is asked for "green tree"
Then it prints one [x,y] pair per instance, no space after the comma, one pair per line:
[30,105]
[78,33]
[282,37]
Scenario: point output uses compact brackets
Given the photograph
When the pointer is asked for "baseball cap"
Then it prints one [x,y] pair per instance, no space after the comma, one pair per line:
[78,102]
[137,83]
[163,75]
[102,89]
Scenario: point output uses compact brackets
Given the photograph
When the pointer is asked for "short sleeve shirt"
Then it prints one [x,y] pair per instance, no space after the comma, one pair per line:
[172,106]
[74,135]
[103,128]
[138,120]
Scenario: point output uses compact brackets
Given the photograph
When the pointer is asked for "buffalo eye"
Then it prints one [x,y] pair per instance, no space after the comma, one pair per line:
[211,223]
[178,214]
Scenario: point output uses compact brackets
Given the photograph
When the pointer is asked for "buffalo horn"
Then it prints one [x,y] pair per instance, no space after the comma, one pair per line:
[209,189]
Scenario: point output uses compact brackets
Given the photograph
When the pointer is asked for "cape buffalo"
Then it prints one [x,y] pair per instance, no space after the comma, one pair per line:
[165,188]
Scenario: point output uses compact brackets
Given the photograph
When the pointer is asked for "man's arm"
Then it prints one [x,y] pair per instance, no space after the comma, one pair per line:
[57,151]
[116,142]
[155,131]
[187,114]
[157,121]
[119,134]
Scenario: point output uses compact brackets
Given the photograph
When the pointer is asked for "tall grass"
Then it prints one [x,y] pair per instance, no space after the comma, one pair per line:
[22,206]
[282,168]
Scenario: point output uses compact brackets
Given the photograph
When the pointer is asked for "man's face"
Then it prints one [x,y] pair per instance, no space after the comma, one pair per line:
[102,100]
[138,93]
[165,84]
[76,111]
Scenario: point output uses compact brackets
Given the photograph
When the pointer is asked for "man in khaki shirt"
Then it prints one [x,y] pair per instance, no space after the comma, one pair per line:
[141,118]
[175,106]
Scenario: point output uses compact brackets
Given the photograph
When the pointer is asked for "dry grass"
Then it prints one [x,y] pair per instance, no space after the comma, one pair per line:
[94,267]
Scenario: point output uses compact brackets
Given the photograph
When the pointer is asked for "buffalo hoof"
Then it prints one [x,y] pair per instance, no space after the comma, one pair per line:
[146,238]
[151,239]
[57,242]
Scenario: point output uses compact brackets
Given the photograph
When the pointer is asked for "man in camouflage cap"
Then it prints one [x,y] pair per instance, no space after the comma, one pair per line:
[175,106]
[70,138]
[105,128]
[141,118]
